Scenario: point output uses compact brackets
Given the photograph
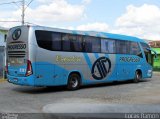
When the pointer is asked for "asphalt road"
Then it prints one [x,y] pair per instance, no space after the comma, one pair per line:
[120,97]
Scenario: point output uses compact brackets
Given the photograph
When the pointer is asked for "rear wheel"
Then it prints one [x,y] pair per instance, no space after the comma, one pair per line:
[74,82]
[138,77]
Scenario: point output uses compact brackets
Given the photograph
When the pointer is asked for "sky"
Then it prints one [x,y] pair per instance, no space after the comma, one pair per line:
[140,18]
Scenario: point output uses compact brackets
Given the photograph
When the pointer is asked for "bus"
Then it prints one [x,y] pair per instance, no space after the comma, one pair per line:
[43,56]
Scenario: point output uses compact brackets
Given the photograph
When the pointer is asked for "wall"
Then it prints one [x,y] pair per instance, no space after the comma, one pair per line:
[2,51]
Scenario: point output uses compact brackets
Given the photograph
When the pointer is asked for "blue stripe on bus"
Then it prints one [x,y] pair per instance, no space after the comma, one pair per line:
[88,60]
[96,55]
[106,55]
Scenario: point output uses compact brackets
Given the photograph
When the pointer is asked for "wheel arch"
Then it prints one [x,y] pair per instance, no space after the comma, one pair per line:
[75,72]
[140,71]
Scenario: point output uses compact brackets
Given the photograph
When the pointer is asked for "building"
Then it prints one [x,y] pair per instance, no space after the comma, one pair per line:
[155,45]
[156,61]
[3,35]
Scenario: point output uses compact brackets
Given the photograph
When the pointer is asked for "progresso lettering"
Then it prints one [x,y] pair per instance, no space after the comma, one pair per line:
[16,46]
[129,59]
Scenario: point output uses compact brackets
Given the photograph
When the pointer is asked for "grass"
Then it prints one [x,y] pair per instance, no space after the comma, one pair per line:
[156,69]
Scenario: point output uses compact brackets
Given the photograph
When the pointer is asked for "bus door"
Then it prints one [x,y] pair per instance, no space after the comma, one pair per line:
[123,67]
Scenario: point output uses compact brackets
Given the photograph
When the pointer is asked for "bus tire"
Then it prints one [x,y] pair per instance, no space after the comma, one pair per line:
[137,77]
[74,81]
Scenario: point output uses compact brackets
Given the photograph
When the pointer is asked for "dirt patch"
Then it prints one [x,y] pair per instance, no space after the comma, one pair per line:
[2,80]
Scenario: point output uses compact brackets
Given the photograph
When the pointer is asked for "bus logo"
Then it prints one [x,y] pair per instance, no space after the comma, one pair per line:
[101,68]
[16,34]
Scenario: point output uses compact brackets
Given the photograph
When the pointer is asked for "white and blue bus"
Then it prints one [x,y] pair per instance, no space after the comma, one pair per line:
[42,56]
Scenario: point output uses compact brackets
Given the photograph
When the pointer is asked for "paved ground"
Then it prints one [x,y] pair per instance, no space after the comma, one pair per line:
[119,97]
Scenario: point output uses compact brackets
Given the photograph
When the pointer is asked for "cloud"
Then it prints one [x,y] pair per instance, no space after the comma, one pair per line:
[140,21]
[56,11]
[45,1]
[97,26]
[86,2]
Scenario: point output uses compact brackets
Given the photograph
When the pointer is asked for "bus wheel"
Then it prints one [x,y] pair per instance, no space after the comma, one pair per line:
[74,81]
[137,77]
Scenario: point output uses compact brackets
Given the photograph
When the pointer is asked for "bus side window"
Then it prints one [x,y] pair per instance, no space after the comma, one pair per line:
[135,49]
[87,44]
[104,46]
[44,39]
[121,47]
[56,41]
[108,46]
[76,43]
[65,42]
[96,44]
[112,47]
[92,44]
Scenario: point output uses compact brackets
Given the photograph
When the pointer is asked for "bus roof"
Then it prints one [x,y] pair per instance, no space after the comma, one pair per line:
[89,33]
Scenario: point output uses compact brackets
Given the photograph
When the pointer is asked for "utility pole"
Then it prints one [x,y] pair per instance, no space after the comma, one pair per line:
[23,10]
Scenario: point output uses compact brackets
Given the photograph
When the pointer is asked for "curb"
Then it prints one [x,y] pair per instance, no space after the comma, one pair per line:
[156,73]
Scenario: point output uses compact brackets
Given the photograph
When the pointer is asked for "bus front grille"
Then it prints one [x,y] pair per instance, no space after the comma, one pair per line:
[19,54]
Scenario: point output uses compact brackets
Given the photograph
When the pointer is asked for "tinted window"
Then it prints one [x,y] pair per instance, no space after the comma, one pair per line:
[87,44]
[76,43]
[65,42]
[122,47]
[72,43]
[135,49]
[92,44]
[145,46]
[147,52]
[80,45]
[96,44]
[48,40]
[56,41]
[108,46]
[44,39]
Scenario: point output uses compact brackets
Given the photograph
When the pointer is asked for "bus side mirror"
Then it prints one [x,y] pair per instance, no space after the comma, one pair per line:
[155,56]
[155,53]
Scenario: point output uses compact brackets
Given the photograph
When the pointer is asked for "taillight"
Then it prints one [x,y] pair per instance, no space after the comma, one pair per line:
[29,68]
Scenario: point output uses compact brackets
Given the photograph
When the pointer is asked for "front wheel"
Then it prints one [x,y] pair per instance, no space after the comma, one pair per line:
[138,77]
[74,82]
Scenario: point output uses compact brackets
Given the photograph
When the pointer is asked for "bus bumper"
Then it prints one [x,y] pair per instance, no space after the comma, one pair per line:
[149,73]
[26,81]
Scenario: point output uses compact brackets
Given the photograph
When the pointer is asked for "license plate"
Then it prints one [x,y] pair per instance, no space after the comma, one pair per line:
[15,80]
